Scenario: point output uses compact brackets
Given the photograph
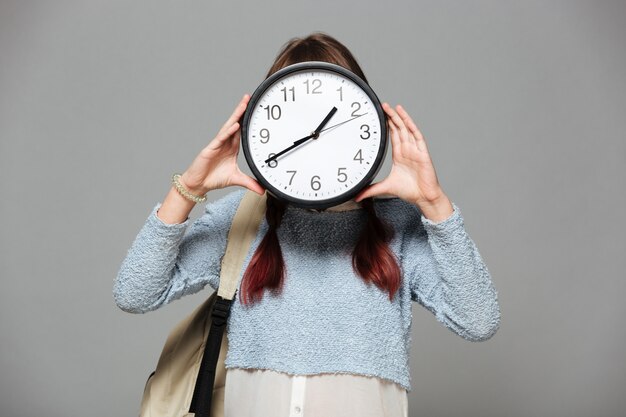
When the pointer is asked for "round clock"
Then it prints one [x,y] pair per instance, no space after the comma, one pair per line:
[314,134]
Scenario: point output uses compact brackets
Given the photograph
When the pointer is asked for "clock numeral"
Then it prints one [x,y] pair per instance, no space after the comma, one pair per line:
[292,175]
[265,134]
[340,89]
[273,112]
[358,107]
[316,84]
[273,161]
[339,174]
[358,157]
[366,131]
[293,93]
[315,184]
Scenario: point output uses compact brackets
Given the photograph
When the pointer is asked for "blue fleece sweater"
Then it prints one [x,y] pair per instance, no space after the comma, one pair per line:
[327,319]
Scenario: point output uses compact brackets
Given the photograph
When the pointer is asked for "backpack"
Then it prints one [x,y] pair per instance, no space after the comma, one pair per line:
[190,376]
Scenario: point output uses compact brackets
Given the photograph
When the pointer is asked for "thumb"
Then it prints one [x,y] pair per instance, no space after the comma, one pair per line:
[372,190]
[248,182]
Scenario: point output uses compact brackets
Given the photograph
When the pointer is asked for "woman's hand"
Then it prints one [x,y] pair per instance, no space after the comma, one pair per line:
[412,177]
[216,165]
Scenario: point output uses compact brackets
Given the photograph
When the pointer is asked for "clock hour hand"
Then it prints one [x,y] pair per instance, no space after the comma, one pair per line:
[315,134]
[330,114]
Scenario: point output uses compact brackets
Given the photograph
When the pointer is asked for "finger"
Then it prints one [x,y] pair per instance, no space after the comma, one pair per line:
[409,123]
[417,135]
[395,139]
[238,112]
[393,132]
[395,118]
[372,190]
[224,135]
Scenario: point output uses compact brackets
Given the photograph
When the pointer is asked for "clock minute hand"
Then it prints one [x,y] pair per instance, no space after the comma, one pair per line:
[315,134]
[296,143]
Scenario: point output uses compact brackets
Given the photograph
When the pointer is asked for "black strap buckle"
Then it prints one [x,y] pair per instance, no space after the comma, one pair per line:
[221,311]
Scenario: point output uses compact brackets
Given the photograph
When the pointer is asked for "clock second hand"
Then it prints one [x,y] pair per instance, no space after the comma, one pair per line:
[304,139]
[345,121]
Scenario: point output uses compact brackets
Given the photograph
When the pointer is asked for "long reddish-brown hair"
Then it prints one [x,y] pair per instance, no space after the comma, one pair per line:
[372,259]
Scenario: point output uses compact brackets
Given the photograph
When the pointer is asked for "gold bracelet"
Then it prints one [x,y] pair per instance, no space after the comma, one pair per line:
[184,192]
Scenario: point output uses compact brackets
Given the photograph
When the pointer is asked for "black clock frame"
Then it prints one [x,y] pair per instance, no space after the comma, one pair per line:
[305,67]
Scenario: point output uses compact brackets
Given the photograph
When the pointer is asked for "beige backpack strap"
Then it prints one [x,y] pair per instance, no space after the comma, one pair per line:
[242,232]
[210,377]
[173,387]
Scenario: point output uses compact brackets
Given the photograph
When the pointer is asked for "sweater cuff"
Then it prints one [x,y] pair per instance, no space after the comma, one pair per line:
[445,229]
[166,229]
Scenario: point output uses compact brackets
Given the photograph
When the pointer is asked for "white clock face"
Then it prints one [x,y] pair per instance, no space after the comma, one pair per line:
[321,168]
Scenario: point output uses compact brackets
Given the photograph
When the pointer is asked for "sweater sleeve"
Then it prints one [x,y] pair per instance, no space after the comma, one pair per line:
[168,261]
[448,277]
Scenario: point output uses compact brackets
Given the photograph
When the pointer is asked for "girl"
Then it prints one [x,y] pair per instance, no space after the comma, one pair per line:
[322,324]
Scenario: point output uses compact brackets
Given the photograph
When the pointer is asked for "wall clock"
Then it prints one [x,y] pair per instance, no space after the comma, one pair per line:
[314,134]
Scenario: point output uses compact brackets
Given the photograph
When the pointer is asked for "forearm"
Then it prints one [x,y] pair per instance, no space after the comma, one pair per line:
[465,292]
[176,208]
[146,272]
[437,210]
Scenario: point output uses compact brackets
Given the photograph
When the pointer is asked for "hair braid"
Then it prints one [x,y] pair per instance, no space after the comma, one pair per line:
[372,257]
[267,267]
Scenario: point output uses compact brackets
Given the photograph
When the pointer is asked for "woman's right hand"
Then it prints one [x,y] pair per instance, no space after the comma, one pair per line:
[216,165]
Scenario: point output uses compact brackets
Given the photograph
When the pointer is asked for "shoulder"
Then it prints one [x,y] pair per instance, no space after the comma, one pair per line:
[223,206]
[396,207]
[227,198]
[400,213]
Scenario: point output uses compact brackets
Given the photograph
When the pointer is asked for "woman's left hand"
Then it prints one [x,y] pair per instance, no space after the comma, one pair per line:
[412,177]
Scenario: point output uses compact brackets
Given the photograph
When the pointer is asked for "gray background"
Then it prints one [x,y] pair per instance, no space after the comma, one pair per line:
[521,104]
